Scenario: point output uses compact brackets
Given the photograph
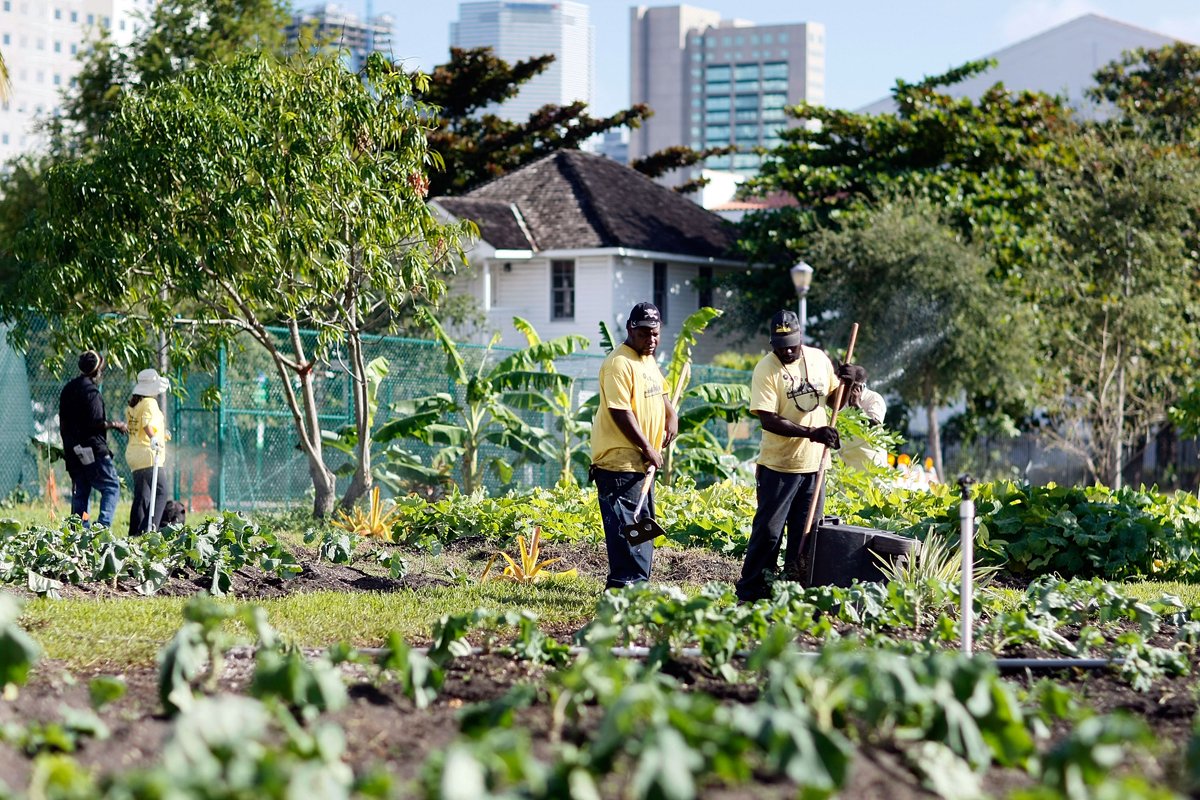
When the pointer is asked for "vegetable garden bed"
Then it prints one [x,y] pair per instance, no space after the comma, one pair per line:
[855,691]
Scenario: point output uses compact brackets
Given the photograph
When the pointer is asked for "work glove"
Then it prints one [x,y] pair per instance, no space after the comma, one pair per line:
[157,443]
[827,436]
[851,373]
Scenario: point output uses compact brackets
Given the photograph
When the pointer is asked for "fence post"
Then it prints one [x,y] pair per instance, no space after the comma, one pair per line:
[222,393]
[966,516]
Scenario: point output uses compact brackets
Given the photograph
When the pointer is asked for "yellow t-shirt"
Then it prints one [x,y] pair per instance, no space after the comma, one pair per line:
[138,453]
[629,382]
[783,389]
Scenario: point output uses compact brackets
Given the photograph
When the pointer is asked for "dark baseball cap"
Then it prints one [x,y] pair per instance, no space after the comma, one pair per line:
[90,361]
[644,315]
[785,329]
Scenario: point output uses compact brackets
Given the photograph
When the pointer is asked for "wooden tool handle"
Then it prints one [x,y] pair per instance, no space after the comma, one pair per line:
[646,484]
[837,403]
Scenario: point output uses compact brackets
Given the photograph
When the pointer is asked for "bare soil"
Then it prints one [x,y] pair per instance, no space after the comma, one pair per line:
[384,728]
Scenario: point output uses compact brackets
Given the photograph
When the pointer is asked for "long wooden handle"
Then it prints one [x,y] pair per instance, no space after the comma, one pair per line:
[837,404]
[646,484]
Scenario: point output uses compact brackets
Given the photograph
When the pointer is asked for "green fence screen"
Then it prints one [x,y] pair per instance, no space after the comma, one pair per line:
[242,452]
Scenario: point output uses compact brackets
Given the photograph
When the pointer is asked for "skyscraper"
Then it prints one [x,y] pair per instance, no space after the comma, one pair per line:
[358,38]
[713,82]
[41,41]
[522,30]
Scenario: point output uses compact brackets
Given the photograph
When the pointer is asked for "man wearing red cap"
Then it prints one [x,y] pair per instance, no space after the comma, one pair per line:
[633,424]
[84,425]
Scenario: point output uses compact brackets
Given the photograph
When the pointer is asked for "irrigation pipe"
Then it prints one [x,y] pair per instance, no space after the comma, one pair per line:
[641,651]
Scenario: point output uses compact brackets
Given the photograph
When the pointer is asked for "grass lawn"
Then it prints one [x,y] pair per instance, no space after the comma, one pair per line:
[91,633]
[94,633]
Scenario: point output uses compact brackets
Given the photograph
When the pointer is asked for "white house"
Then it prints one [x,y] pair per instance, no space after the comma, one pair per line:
[574,238]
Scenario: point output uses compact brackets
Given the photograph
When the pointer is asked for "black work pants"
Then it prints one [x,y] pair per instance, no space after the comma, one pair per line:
[139,513]
[618,493]
[783,501]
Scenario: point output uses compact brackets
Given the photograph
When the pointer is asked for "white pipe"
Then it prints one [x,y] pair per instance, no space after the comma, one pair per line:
[966,516]
[641,651]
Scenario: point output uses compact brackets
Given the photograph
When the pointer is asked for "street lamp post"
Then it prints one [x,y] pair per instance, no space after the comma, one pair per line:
[802,275]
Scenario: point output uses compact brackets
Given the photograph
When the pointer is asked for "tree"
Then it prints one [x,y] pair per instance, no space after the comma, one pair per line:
[1125,289]
[477,145]
[933,324]
[264,192]
[177,36]
[1158,88]
[969,157]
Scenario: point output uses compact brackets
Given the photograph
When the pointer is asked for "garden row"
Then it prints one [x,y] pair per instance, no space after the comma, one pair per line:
[1026,530]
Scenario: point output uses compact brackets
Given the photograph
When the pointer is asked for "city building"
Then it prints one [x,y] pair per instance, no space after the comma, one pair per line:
[714,81]
[610,144]
[1060,61]
[521,30]
[41,41]
[357,38]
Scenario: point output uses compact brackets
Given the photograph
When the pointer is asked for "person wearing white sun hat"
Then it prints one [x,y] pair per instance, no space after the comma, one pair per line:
[146,452]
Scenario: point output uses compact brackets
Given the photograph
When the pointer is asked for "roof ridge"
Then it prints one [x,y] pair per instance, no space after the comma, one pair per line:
[587,199]
[516,210]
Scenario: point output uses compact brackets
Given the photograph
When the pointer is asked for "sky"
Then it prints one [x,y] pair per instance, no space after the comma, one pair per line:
[869,43]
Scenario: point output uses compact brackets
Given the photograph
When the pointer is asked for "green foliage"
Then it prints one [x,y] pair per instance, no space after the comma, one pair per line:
[490,399]
[1157,86]
[477,146]
[46,558]
[176,36]
[331,226]
[968,156]
[1121,290]
[1037,530]
[64,736]
[196,654]
[18,652]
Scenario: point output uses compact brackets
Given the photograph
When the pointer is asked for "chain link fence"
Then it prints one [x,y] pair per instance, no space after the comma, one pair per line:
[242,451]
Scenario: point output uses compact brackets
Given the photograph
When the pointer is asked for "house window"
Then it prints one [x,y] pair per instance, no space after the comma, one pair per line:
[660,289]
[704,287]
[562,290]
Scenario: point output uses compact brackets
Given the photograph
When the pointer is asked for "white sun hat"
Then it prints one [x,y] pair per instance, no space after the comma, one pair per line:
[150,383]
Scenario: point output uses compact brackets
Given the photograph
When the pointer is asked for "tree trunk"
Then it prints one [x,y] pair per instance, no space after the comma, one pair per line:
[935,433]
[1118,427]
[361,483]
[324,482]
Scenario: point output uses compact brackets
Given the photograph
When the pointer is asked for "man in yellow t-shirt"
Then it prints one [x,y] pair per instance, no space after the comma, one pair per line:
[633,424]
[788,394]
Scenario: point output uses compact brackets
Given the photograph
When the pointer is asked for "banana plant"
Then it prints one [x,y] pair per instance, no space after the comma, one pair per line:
[490,399]
[679,370]
[566,443]
[397,467]
[703,453]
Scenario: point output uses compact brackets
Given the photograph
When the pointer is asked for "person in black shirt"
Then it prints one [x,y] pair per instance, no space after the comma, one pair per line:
[84,425]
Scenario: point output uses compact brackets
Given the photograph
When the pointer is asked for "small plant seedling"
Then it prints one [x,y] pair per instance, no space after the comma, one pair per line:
[529,569]
[375,522]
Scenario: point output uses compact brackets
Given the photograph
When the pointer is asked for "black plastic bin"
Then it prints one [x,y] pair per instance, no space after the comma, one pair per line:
[839,554]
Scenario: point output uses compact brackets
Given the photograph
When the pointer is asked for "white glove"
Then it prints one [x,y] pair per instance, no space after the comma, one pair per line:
[157,443]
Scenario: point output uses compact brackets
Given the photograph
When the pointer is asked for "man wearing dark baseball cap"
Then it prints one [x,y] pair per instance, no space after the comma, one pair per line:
[84,425]
[633,424]
[788,393]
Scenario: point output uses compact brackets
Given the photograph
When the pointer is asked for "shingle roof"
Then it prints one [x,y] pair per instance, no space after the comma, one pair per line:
[498,221]
[572,200]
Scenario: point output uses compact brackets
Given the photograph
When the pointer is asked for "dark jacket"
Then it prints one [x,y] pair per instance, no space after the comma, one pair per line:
[82,421]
